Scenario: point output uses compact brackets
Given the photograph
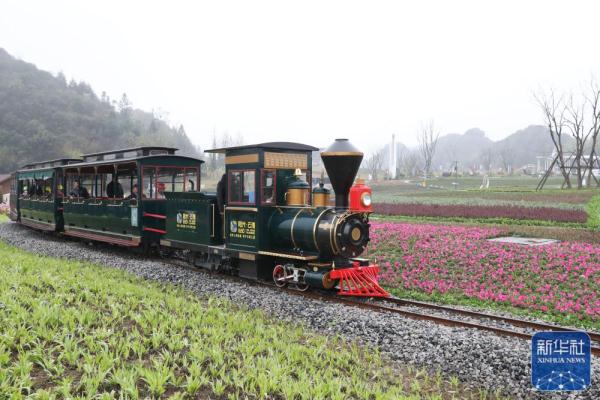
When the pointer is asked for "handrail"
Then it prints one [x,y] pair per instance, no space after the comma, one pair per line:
[157,216]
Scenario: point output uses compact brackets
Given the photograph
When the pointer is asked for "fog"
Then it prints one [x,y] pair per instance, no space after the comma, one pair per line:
[312,71]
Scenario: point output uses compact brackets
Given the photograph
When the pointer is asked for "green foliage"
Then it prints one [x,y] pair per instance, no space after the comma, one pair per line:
[75,330]
[44,117]
[593,211]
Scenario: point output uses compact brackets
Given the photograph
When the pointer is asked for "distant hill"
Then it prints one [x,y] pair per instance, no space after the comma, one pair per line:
[43,117]
[523,146]
[474,150]
[463,148]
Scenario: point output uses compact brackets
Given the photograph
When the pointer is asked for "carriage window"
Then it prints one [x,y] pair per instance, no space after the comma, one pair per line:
[25,186]
[148,189]
[47,187]
[191,180]
[127,183]
[86,184]
[169,180]
[241,187]
[267,184]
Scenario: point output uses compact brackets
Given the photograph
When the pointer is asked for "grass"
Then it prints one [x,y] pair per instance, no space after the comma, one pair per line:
[3,218]
[517,191]
[74,329]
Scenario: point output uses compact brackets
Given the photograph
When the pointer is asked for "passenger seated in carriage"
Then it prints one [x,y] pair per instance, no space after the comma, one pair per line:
[114,189]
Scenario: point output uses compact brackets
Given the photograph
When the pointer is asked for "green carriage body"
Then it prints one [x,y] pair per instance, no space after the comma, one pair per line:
[33,195]
[115,218]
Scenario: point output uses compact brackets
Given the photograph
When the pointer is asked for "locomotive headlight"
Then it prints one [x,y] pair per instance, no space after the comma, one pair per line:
[366,199]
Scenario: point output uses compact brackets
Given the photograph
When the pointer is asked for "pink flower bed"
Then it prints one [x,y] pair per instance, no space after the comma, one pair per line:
[476,211]
[557,278]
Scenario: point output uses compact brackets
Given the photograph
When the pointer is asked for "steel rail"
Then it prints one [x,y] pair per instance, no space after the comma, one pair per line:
[477,314]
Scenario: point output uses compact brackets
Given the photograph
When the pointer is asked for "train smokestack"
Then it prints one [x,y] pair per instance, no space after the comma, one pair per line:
[341,161]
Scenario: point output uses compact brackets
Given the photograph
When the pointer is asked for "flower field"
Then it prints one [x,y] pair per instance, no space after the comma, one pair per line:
[479,211]
[4,209]
[456,263]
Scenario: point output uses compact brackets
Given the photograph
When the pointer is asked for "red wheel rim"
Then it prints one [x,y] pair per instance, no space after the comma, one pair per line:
[279,276]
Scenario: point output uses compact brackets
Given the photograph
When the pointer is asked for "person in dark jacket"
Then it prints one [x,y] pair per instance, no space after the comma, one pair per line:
[222,193]
[114,189]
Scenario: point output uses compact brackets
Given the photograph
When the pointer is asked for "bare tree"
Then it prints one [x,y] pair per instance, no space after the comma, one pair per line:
[408,163]
[505,155]
[554,113]
[428,138]
[487,158]
[575,124]
[374,163]
[593,99]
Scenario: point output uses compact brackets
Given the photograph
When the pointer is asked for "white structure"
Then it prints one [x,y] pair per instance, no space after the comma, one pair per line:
[393,159]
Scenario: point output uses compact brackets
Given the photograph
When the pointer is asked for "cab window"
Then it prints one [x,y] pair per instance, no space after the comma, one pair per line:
[242,187]
[267,186]
[191,180]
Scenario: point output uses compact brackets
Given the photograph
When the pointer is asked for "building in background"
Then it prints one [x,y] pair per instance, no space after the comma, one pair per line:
[4,188]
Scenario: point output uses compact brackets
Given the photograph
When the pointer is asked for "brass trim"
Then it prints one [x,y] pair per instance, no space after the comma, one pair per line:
[327,282]
[317,264]
[247,256]
[250,209]
[332,235]
[355,233]
[285,160]
[296,197]
[242,159]
[321,199]
[292,256]
[292,228]
[342,153]
[315,229]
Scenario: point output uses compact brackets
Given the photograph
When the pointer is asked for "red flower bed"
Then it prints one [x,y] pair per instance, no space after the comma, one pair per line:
[475,211]
[561,278]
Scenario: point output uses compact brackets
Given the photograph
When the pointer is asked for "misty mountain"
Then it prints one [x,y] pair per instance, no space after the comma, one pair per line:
[523,146]
[474,149]
[464,148]
[43,117]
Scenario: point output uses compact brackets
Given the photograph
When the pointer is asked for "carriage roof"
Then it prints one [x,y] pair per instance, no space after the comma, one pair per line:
[266,146]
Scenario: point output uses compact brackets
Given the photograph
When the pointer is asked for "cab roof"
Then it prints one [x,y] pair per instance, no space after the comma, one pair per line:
[269,145]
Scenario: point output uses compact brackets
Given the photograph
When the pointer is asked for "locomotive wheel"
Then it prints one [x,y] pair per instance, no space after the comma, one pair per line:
[302,287]
[279,276]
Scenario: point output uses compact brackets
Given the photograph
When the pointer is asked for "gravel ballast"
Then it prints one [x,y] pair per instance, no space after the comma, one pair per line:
[479,359]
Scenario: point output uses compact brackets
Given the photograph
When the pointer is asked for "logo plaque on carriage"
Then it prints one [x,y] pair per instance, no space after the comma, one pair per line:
[560,361]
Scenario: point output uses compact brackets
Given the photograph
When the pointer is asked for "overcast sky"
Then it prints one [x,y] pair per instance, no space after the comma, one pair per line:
[313,71]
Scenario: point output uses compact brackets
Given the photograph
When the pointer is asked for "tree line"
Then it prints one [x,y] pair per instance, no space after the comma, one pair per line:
[44,117]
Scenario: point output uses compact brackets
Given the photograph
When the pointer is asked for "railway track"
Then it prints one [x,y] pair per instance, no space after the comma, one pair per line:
[454,322]
[399,306]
